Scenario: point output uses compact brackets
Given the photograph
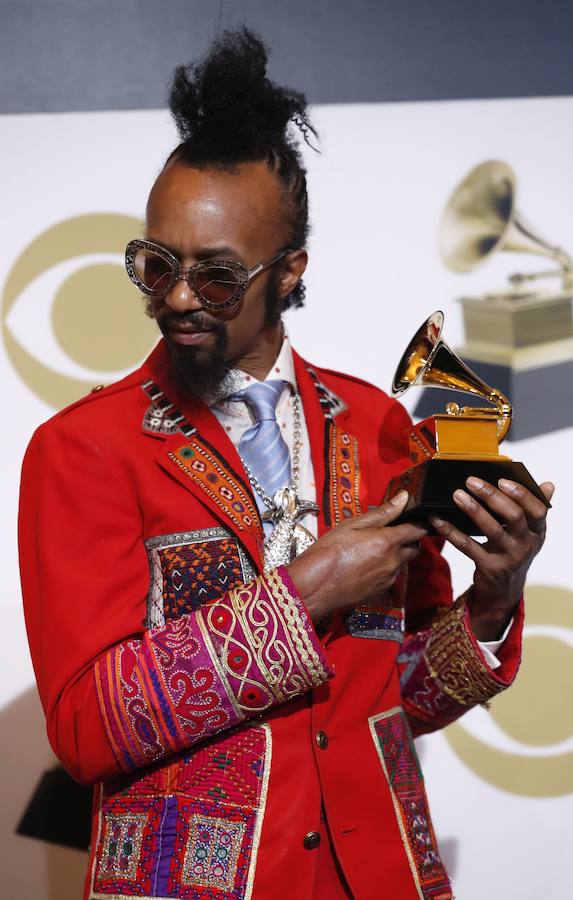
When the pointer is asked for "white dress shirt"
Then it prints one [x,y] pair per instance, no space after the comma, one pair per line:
[237,417]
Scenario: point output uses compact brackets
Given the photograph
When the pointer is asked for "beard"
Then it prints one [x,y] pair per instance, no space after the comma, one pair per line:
[196,369]
[199,370]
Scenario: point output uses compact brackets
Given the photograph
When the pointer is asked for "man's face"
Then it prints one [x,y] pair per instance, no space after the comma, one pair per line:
[208,213]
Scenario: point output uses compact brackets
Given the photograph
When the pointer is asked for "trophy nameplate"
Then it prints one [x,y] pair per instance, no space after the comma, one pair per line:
[446,448]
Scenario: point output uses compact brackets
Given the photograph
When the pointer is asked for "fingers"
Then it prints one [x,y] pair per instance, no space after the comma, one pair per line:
[393,508]
[463,542]
[384,514]
[388,512]
[483,519]
[400,539]
[533,508]
[518,509]
[513,503]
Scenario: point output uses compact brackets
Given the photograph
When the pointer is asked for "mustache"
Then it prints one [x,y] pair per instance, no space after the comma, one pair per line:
[199,320]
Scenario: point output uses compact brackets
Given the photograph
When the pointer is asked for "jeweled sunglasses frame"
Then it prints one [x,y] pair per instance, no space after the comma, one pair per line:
[243,274]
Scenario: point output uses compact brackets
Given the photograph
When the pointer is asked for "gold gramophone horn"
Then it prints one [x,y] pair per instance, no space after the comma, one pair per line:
[480,218]
[430,362]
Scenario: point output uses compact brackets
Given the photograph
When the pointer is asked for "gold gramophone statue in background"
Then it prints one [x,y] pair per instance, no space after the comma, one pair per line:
[448,447]
[520,338]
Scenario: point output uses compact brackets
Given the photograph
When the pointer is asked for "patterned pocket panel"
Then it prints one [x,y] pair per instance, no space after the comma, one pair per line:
[191,568]
[397,754]
[187,829]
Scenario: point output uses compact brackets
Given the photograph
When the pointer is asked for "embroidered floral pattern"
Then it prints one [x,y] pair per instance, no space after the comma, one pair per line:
[201,463]
[442,671]
[207,671]
[212,851]
[191,568]
[197,826]
[455,662]
[123,835]
[266,650]
[399,760]
[342,482]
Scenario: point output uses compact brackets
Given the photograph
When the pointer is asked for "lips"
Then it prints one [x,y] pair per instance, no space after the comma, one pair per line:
[190,336]
[186,331]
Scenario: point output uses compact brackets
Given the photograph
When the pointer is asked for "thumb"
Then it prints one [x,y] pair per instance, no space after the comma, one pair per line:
[387,511]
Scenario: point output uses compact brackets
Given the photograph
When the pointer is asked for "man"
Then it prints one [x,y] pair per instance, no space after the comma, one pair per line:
[247,716]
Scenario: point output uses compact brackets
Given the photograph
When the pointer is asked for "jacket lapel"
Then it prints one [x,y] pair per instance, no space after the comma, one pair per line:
[334,449]
[196,451]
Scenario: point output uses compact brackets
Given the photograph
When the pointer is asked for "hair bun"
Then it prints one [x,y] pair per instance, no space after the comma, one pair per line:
[227,100]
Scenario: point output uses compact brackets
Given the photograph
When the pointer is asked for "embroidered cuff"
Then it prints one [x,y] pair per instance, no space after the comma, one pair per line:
[443,672]
[208,671]
[455,661]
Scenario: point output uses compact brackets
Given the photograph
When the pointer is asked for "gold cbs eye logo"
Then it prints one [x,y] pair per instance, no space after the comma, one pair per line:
[531,752]
[94,316]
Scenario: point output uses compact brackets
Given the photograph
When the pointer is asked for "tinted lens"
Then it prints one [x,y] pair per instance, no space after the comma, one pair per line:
[153,270]
[216,284]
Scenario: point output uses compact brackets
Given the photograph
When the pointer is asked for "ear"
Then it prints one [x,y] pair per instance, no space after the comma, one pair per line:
[291,271]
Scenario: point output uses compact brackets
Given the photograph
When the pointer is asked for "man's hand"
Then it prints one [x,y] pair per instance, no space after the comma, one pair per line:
[503,560]
[357,560]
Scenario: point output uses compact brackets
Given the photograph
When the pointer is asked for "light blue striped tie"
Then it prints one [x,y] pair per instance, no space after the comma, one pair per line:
[262,446]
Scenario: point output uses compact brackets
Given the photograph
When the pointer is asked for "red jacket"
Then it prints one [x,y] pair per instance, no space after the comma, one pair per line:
[196,690]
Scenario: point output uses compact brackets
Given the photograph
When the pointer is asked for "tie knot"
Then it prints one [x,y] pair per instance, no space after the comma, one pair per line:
[262,398]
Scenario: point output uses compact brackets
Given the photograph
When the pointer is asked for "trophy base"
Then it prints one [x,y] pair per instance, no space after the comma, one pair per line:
[541,396]
[431,485]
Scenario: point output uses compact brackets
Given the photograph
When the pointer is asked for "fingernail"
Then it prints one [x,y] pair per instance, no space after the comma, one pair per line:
[400,498]
[437,522]
[507,485]
[475,483]
[463,498]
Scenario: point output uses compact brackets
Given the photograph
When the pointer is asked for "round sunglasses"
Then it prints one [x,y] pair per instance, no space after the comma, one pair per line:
[217,283]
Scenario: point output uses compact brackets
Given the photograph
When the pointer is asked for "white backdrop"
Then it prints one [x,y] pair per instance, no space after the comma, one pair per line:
[376,193]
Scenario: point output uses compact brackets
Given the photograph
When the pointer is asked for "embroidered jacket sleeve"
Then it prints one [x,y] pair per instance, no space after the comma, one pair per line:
[443,671]
[118,697]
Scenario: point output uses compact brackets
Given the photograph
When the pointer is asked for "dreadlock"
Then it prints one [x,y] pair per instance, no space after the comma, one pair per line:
[228,112]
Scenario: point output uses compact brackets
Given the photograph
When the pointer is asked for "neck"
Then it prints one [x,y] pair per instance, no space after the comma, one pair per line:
[259,362]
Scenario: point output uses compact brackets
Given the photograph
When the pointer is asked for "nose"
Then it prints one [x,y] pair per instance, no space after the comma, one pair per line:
[181,298]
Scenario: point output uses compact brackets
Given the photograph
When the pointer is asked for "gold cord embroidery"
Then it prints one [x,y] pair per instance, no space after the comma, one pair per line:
[454,661]
[294,621]
[274,640]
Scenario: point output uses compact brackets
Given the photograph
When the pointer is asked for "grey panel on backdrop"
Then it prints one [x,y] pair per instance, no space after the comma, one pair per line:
[58,55]
[542,398]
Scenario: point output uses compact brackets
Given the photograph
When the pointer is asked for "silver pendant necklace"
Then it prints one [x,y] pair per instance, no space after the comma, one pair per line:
[288,538]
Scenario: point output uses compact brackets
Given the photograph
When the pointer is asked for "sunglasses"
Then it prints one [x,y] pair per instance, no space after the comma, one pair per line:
[217,284]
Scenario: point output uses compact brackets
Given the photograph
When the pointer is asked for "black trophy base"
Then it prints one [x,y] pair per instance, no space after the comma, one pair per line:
[432,483]
[542,398]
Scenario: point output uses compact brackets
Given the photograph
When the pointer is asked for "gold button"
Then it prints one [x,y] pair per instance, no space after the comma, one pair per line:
[98,387]
[322,739]
[311,840]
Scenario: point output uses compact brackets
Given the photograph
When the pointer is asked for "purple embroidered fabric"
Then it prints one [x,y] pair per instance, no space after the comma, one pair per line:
[208,671]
